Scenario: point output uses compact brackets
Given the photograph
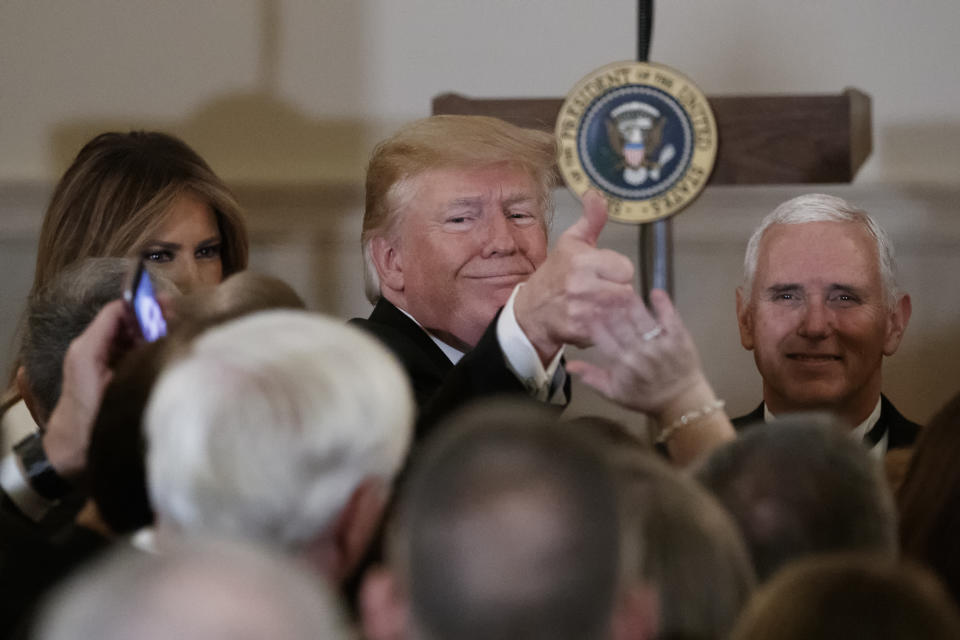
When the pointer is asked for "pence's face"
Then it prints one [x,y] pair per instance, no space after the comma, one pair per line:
[818,320]
[466,237]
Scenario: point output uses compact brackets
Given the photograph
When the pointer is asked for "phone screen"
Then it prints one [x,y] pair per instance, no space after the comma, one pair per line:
[146,308]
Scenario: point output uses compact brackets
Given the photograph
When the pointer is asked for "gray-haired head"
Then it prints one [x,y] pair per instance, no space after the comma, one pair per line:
[818,207]
[193,591]
[297,410]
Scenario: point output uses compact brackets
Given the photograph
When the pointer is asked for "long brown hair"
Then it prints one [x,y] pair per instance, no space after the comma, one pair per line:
[116,193]
[114,196]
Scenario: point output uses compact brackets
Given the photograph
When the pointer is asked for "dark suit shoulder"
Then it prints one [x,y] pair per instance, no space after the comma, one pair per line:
[425,364]
[901,431]
[400,333]
[32,565]
[753,417]
[481,373]
[439,386]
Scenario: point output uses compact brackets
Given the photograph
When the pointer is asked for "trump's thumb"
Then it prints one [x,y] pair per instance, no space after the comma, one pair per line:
[587,229]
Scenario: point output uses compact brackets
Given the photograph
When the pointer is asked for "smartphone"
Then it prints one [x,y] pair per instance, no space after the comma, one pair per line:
[141,300]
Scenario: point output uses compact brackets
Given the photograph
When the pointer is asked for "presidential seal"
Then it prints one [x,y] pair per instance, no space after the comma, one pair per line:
[640,133]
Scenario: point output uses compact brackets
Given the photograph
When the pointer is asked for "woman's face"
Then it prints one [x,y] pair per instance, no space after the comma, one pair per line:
[186,247]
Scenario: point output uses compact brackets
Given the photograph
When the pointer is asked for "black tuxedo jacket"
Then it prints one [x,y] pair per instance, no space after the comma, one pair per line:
[32,563]
[901,432]
[439,386]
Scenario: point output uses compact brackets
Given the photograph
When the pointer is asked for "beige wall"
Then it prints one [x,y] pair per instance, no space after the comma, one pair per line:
[297,90]
[286,98]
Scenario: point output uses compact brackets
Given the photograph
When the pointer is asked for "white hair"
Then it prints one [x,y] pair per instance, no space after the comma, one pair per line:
[197,590]
[818,207]
[269,424]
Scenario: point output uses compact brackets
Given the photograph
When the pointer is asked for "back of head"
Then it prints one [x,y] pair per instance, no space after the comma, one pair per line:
[200,591]
[116,470]
[928,499]
[692,552]
[113,196]
[60,312]
[508,528]
[818,207]
[850,596]
[445,142]
[802,485]
[115,457]
[269,423]
[242,293]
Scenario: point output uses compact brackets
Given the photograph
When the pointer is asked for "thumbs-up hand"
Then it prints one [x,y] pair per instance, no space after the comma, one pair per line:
[587,228]
[571,291]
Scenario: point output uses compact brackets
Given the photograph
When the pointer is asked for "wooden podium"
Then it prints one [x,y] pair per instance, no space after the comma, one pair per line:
[801,139]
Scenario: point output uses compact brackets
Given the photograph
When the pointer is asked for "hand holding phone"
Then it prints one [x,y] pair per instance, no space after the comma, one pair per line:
[142,301]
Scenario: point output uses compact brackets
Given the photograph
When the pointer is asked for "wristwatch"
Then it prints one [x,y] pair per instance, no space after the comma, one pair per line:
[40,474]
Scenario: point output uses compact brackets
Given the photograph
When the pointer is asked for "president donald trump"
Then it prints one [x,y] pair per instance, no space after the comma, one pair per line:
[455,250]
[454,230]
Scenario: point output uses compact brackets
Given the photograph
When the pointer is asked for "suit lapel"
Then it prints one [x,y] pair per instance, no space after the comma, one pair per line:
[902,432]
[751,418]
[387,314]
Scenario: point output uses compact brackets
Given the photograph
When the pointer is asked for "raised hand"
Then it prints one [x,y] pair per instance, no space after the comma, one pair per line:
[576,285]
[650,364]
[649,359]
[87,369]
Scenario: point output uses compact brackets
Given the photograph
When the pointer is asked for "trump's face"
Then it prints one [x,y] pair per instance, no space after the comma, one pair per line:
[818,320]
[466,237]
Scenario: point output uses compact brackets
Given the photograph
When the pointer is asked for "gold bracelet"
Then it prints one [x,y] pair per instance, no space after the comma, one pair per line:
[689,418]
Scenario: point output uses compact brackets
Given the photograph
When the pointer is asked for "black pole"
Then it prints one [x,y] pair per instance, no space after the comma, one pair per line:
[655,243]
[644,29]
